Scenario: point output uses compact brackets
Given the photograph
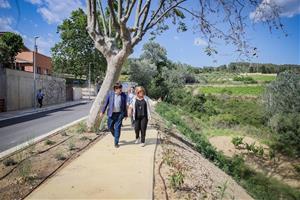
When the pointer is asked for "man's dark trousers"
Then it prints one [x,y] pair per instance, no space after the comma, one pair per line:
[114,124]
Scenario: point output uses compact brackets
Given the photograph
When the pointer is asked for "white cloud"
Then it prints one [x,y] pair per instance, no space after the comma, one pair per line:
[5,24]
[44,44]
[4,4]
[54,11]
[286,8]
[176,38]
[199,42]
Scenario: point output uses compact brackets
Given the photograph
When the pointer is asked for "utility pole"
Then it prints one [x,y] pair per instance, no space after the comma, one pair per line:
[34,71]
[89,81]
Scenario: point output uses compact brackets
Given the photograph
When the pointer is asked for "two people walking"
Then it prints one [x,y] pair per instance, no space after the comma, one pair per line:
[120,106]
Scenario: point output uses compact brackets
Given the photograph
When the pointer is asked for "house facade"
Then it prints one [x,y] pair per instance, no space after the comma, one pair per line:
[24,62]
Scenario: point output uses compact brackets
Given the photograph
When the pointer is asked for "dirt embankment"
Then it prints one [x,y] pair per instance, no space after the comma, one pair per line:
[183,173]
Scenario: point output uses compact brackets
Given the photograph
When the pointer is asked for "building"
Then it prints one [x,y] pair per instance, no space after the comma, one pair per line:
[24,61]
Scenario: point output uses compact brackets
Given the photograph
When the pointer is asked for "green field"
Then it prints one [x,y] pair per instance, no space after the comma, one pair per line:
[227,78]
[255,90]
[262,77]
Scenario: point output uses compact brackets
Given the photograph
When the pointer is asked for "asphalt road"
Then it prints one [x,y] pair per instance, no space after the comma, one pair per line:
[19,130]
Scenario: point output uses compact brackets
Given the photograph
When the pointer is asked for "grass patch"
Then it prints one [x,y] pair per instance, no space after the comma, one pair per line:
[262,77]
[257,184]
[254,90]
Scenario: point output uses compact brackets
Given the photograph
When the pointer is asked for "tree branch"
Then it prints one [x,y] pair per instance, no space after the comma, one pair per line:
[113,15]
[149,25]
[103,17]
[128,11]
[120,8]
[137,15]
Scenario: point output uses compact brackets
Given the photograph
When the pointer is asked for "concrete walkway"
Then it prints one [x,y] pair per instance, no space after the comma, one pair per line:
[104,172]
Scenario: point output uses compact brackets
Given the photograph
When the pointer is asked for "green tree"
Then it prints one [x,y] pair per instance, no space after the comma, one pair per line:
[76,51]
[10,45]
[155,53]
[282,103]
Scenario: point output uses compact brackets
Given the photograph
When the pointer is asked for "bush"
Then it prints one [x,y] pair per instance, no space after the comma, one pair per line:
[245,79]
[237,141]
[287,129]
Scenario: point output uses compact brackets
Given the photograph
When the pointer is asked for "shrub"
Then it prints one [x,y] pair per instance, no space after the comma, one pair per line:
[237,141]
[286,126]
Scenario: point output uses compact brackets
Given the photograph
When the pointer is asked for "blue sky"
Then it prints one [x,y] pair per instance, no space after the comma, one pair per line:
[40,18]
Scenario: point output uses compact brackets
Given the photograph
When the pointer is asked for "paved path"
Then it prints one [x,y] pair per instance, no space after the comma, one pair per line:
[104,172]
[19,130]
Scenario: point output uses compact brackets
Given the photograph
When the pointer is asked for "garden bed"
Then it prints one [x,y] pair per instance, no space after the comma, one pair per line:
[26,169]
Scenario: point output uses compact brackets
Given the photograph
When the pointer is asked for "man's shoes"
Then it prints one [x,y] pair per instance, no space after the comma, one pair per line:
[143,144]
[137,141]
[117,146]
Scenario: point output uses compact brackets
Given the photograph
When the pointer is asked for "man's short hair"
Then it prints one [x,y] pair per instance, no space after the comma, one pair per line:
[117,86]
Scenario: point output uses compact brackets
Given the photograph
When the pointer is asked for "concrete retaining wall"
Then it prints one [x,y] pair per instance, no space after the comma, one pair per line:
[20,94]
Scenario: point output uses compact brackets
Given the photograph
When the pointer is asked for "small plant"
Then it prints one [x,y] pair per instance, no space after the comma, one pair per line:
[168,157]
[60,156]
[222,190]
[84,138]
[25,170]
[272,154]
[260,150]
[237,141]
[49,142]
[72,146]
[64,133]
[9,162]
[81,128]
[177,180]
[297,168]
[250,147]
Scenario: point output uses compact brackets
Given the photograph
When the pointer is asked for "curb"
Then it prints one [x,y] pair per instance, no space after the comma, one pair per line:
[38,139]
[45,109]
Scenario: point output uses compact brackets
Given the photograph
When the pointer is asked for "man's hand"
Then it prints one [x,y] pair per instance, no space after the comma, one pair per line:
[101,115]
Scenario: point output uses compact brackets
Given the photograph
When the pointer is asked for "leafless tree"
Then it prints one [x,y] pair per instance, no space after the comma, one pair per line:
[117,26]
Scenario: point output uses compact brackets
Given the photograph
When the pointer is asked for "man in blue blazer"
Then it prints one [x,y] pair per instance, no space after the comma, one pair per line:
[116,102]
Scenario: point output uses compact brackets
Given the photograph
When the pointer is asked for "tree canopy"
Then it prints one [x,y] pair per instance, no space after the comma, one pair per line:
[10,45]
[76,51]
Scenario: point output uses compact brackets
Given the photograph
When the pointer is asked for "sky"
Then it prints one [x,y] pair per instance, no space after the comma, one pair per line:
[31,18]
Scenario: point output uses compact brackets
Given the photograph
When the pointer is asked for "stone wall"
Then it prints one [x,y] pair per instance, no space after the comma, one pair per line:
[20,94]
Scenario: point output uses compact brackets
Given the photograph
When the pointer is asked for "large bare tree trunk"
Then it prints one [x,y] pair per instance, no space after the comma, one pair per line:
[113,72]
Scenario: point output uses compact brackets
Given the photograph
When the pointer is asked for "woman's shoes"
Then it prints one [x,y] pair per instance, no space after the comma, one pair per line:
[143,144]
[137,141]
